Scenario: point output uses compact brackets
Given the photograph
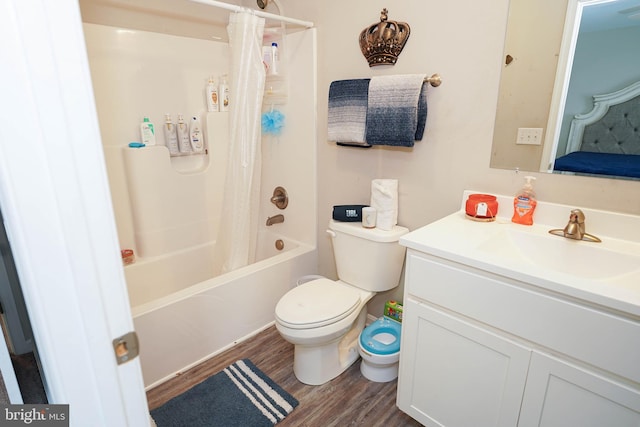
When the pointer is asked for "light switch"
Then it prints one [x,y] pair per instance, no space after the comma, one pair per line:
[529,136]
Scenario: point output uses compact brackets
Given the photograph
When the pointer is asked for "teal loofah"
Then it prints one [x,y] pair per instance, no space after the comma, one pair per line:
[272,122]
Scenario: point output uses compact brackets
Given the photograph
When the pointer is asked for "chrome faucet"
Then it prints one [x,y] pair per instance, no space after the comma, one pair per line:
[276,219]
[575,228]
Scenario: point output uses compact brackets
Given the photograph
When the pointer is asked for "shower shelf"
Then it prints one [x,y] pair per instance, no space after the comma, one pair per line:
[276,89]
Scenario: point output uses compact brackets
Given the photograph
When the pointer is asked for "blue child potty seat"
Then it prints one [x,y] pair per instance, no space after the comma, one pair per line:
[382,325]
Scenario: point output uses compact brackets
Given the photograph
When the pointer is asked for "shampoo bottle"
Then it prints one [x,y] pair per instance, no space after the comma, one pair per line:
[275,59]
[224,94]
[184,141]
[195,134]
[525,203]
[147,132]
[212,96]
[170,135]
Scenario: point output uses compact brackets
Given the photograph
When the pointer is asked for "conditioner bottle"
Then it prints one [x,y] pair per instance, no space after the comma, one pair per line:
[184,141]
[170,135]
[525,203]
[212,96]
[224,94]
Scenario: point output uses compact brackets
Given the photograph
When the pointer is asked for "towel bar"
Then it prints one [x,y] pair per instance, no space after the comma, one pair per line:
[434,80]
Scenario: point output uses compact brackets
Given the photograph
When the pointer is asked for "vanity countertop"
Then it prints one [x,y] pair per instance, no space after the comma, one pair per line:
[606,274]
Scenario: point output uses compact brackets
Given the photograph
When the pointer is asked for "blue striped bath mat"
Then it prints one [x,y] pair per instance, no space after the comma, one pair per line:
[240,395]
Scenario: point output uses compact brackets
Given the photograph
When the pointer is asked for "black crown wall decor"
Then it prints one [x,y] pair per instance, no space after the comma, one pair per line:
[382,42]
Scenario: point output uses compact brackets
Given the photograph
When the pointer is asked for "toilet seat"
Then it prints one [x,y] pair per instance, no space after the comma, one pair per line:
[316,303]
[375,337]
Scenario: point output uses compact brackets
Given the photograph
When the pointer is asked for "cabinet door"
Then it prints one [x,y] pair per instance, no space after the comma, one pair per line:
[559,394]
[455,374]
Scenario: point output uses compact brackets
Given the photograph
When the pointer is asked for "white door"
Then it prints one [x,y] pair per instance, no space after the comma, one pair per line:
[56,205]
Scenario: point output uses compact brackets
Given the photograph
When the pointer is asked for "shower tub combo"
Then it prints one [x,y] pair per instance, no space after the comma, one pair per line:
[184,310]
[168,208]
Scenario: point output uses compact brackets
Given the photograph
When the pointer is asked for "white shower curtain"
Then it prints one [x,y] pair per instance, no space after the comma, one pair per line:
[237,234]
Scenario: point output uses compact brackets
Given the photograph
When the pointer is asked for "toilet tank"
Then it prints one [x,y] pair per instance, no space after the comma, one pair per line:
[368,258]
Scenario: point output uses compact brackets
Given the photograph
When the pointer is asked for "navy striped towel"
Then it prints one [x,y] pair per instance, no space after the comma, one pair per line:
[348,111]
[397,110]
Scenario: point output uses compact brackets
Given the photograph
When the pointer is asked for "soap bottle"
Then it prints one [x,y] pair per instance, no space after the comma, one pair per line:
[195,135]
[147,132]
[224,94]
[184,141]
[170,135]
[212,96]
[525,203]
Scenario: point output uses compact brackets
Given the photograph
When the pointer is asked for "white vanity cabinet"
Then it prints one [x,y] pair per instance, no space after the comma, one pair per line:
[483,349]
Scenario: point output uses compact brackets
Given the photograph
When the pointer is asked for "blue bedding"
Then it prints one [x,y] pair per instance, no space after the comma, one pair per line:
[625,165]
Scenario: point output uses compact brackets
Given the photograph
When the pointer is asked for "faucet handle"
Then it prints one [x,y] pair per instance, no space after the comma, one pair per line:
[280,198]
[575,228]
[576,216]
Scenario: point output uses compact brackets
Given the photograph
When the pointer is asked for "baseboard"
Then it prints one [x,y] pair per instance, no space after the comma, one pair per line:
[371,318]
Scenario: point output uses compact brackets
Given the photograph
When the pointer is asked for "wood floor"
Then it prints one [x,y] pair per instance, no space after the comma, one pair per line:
[349,400]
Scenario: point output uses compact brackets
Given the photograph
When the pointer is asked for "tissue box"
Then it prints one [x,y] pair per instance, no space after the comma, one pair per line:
[393,310]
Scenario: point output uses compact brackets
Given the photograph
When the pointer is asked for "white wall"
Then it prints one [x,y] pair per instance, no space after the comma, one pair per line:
[463,41]
[177,201]
[138,73]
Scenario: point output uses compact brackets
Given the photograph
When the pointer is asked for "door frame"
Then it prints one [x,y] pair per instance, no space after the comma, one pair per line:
[56,204]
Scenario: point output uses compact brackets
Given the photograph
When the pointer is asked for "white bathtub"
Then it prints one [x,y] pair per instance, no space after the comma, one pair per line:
[182,318]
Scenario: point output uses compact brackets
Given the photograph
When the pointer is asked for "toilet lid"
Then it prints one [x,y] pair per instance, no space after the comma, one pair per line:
[317,303]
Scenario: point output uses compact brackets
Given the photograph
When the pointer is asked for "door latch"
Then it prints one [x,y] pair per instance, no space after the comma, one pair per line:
[126,347]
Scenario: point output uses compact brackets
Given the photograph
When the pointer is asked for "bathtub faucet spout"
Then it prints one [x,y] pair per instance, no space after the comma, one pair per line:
[276,219]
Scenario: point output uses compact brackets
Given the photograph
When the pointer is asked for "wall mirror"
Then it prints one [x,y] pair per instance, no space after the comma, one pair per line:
[558,56]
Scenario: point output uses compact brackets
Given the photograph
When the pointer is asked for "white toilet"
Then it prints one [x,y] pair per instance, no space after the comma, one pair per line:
[323,318]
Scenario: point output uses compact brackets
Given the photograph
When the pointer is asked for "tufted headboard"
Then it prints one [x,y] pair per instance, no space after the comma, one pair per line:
[612,126]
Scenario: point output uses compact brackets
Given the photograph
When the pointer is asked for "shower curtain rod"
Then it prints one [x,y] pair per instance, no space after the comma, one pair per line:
[234,8]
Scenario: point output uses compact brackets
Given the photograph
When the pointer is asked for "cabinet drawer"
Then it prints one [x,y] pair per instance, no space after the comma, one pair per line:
[583,332]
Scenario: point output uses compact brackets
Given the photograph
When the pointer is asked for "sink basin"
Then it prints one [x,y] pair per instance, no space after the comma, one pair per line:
[558,254]
[605,274]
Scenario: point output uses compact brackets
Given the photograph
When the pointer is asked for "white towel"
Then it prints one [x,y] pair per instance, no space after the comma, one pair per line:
[384,198]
